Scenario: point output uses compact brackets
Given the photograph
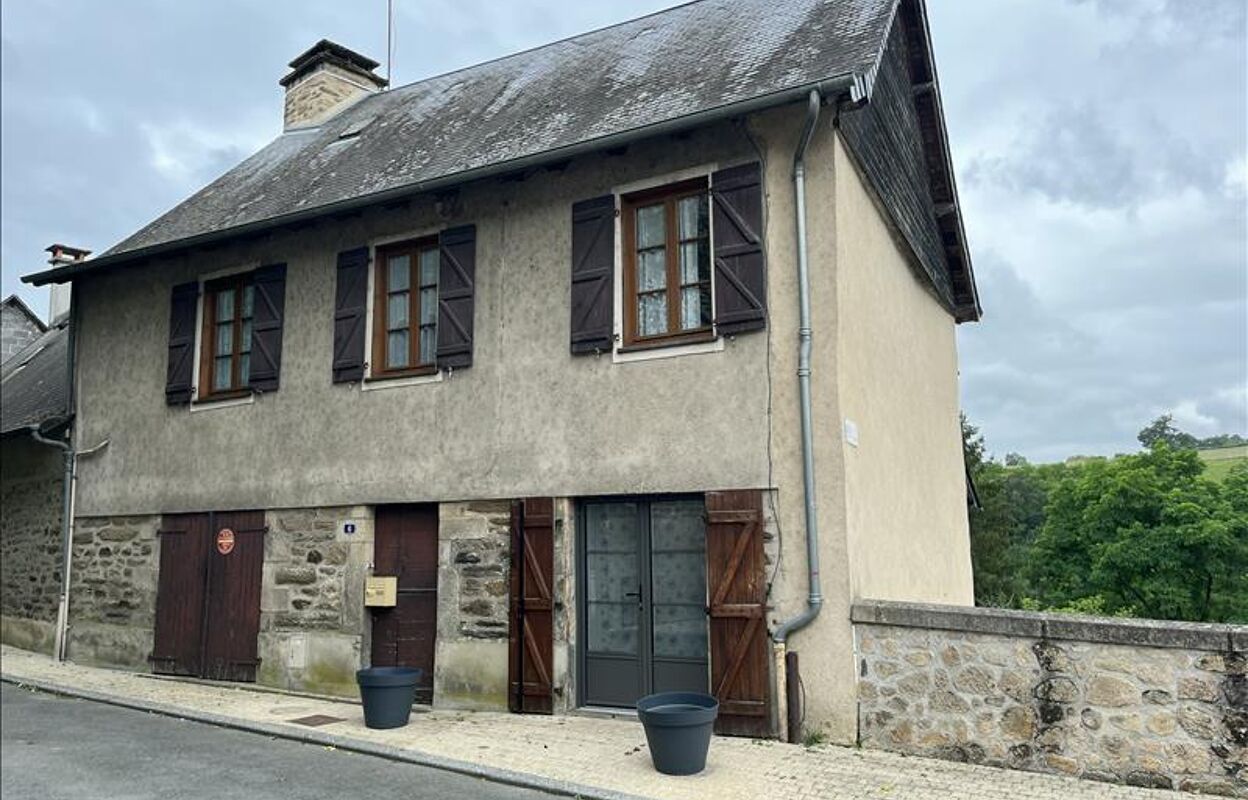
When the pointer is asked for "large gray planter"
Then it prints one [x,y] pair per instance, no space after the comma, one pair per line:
[678,730]
[387,694]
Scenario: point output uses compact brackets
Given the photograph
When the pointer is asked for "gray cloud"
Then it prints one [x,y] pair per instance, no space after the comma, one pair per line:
[1100,147]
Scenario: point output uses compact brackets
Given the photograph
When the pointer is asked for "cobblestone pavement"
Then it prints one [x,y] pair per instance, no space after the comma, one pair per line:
[607,754]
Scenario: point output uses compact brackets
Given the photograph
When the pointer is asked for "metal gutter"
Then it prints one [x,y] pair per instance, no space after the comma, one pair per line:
[829,87]
[814,599]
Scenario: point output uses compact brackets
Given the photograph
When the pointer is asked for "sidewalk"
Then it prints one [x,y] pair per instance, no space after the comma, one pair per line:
[570,755]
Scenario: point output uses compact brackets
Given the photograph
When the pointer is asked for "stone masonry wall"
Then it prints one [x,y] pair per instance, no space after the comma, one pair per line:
[112,609]
[30,541]
[1135,701]
[312,617]
[470,663]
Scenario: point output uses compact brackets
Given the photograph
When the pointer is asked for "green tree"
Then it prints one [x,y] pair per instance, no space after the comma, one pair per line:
[1162,429]
[1145,535]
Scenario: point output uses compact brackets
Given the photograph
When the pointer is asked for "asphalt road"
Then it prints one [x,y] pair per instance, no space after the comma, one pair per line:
[54,748]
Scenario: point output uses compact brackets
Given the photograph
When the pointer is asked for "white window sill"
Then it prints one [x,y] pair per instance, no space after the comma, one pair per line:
[674,351]
[212,405]
[375,384]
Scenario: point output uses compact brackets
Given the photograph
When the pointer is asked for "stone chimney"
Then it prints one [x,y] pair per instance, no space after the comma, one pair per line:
[61,255]
[324,80]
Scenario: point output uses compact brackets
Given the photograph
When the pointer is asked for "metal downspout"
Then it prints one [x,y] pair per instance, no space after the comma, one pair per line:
[62,610]
[814,600]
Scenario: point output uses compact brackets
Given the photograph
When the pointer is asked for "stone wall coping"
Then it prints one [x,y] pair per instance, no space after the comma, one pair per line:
[1050,625]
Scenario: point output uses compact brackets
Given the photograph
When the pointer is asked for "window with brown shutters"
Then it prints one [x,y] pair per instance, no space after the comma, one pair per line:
[240,343]
[667,266]
[405,309]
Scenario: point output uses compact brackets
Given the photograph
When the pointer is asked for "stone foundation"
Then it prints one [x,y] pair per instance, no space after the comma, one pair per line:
[470,663]
[1133,701]
[112,608]
[312,618]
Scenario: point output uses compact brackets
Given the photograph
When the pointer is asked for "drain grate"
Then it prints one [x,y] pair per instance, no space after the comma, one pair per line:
[317,720]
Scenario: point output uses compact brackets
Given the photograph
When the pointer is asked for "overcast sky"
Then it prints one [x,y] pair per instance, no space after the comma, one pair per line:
[1099,148]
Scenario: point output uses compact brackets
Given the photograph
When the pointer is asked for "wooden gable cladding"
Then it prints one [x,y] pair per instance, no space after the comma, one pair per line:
[740,261]
[531,638]
[350,310]
[266,327]
[593,275]
[737,588]
[180,371]
[456,291]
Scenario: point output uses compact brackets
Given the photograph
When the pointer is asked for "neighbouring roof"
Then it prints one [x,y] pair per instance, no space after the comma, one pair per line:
[34,384]
[649,73]
[15,302]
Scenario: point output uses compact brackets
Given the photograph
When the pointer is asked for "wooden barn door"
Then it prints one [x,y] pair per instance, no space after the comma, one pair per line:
[208,595]
[232,618]
[740,652]
[405,545]
[531,639]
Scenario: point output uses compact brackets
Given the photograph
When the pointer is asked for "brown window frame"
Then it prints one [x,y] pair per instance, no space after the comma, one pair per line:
[208,339]
[670,194]
[412,248]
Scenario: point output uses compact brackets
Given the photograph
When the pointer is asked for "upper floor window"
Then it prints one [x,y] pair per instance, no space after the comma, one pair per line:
[405,316]
[225,366]
[667,264]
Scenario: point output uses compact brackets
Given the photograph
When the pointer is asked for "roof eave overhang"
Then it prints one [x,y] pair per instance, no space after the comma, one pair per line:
[830,88]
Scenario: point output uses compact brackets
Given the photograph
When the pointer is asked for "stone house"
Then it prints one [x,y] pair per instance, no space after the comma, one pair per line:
[546,356]
[19,326]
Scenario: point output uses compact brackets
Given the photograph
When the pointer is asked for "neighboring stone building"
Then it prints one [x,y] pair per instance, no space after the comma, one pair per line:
[526,338]
[33,394]
[19,326]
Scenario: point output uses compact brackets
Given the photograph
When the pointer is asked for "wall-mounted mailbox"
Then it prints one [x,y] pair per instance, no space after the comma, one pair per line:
[380,591]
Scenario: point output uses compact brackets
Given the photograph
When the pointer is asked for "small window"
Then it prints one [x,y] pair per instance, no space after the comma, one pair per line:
[225,364]
[405,309]
[667,265]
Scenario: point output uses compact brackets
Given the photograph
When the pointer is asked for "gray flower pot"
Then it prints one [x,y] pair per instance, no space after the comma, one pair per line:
[678,730]
[387,694]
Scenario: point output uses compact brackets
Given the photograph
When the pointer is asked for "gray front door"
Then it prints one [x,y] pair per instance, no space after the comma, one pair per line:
[643,609]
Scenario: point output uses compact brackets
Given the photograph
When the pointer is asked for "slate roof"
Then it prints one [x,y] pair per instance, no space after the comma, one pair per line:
[33,383]
[654,73]
[661,67]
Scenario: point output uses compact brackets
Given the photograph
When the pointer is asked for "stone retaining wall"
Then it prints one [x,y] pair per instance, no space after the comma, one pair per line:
[1135,701]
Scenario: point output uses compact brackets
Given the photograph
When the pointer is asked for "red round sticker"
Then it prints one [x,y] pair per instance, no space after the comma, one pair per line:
[225,541]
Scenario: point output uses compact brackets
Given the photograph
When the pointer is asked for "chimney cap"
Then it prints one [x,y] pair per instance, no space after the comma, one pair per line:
[64,251]
[327,52]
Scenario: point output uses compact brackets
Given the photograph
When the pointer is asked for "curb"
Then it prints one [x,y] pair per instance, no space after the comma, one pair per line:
[347,743]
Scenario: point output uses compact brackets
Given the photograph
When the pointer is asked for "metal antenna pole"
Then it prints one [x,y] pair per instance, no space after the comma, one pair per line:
[389,42]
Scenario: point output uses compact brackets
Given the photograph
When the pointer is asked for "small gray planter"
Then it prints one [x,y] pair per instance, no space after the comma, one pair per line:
[387,694]
[678,730]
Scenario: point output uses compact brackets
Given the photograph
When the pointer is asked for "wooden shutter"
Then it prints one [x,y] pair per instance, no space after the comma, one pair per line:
[740,263]
[181,365]
[350,309]
[593,275]
[456,287]
[740,652]
[266,327]
[531,647]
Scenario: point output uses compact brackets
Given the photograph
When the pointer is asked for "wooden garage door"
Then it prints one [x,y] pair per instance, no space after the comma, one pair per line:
[406,546]
[208,596]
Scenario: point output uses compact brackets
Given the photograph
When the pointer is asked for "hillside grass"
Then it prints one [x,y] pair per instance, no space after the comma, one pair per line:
[1218,462]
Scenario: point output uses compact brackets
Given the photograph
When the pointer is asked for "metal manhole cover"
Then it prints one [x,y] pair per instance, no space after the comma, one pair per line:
[316,720]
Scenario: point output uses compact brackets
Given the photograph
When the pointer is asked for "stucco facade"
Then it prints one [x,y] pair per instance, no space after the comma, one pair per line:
[529,419]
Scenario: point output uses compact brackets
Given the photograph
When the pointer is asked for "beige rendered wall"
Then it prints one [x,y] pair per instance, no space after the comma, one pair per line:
[898,375]
[526,419]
